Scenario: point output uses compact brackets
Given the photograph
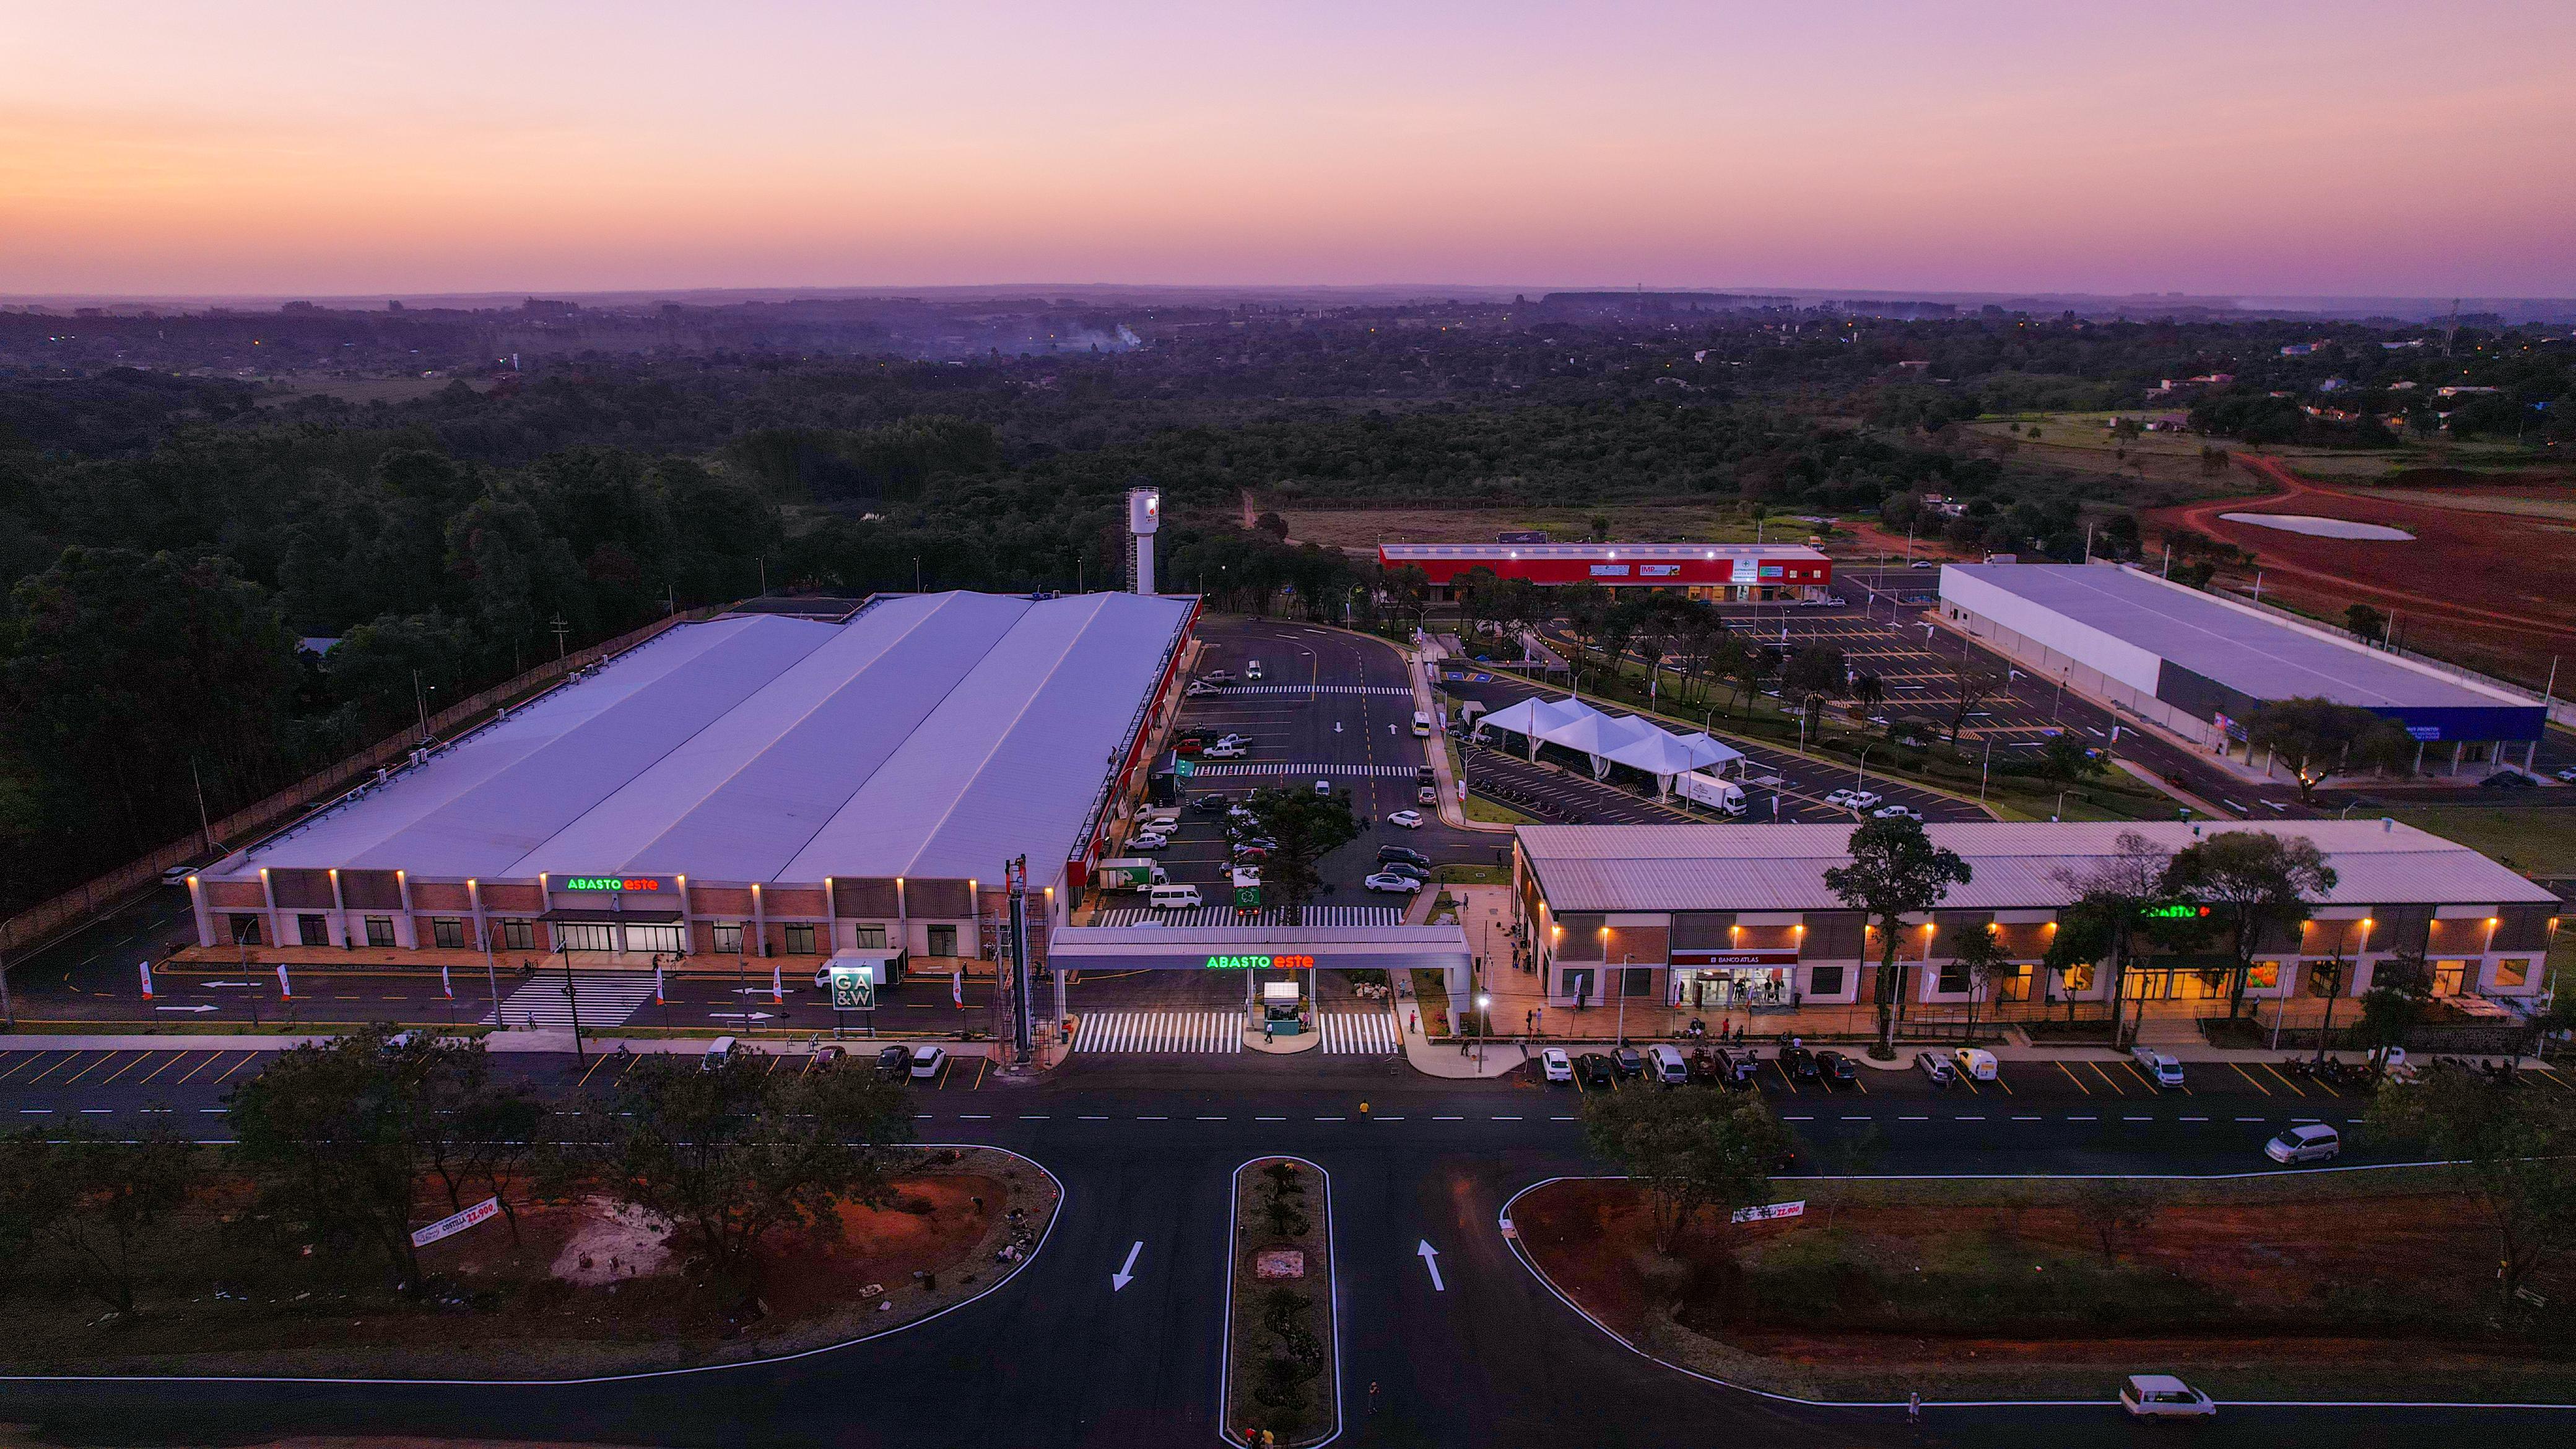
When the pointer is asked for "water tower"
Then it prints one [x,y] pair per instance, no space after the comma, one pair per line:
[1144,517]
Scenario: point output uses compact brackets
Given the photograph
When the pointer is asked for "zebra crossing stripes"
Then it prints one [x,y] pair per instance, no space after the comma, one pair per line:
[1306,771]
[604,1001]
[1357,1033]
[1112,1032]
[1274,916]
[1320,689]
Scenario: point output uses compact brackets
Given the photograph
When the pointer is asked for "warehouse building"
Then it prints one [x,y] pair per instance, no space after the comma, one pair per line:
[1739,918]
[755,785]
[1738,572]
[2198,664]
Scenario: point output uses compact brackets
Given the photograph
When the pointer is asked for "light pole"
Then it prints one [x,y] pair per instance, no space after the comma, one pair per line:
[1623,998]
[1860,772]
[572,1000]
[2061,697]
[1984,766]
[1484,1026]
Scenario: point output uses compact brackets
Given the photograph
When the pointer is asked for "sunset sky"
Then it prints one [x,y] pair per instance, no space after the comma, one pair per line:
[203,147]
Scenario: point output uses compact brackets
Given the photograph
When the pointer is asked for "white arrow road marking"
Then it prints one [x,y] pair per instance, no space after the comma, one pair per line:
[183,1008]
[1430,1257]
[1126,1274]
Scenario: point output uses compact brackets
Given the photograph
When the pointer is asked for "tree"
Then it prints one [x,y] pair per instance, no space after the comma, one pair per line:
[328,1133]
[2320,739]
[2107,901]
[1306,827]
[2114,1210]
[2511,1152]
[2065,759]
[1689,1150]
[1272,524]
[1976,683]
[2400,988]
[733,1154]
[2258,884]
[472,1132]
[1815,669]
[1868,693]
[1749,666]
[95,1201]
[1981,953]
[2366,622]
[1895,871]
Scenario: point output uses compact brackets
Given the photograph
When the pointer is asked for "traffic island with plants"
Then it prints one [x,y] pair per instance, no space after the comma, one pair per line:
[1282,1350]
[687,1217]
[2421,1282]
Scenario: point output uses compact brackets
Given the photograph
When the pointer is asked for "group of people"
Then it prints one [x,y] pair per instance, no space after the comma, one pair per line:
[1727,1030]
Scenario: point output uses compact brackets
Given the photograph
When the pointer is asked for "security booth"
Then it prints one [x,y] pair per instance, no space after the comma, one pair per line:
[1283,1007]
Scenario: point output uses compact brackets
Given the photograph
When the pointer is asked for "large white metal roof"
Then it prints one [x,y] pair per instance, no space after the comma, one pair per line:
[932,736]
[2014,866]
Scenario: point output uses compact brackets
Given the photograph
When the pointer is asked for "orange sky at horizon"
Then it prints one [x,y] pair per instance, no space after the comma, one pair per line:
[274,148]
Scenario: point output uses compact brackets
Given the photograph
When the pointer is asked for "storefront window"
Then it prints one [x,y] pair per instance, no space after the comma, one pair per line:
[943,940]
[1954,979]
[312,931]
[447,931]
[800,940]
[2079,977]
[245,930]
[1825,981]
[729,938]
[2514,971]
[380,930]
[519,935]
[870,938]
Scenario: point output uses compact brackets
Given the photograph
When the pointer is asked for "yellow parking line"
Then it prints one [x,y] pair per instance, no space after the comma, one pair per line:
[247,1059]
[121,1071]
[211,1059]
[2078,1081]
[2555,1079]
[594,1066]
[31,1059]
[85,1071]
[2249,1077]
[175,1059]
[2107,1079]
[67,1059]
[2295,1089]
[980,1064]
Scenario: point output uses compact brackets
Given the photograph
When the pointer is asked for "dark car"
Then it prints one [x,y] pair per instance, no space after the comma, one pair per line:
[1592,1070]
[1702,1066]
[1836,1069]
[1404,867]
[1630,1061]
[1392,854]
[894,1063]
[825,1059]
[1797,1064]
[1210,803]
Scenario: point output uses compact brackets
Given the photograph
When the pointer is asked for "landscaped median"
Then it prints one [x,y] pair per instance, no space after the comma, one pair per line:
[2367,1285]
[1282,1308]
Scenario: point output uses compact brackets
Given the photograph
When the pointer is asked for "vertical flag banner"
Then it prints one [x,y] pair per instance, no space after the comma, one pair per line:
[957,987]
[657,985]
[777,988]
[284,987]
[146,968]
[444,984]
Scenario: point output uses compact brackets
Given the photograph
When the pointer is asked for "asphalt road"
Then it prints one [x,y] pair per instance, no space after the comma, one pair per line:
[1145,1148]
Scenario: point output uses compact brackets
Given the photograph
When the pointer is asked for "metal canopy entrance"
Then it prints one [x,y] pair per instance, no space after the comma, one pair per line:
[1261,948]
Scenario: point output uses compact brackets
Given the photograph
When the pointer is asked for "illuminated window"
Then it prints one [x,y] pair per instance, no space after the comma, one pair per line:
[2264,976]
[729,937]
[2515,971]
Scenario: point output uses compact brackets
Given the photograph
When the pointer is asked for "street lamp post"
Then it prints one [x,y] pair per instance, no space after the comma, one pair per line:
[1983,767]
[572,999]
[1623,998]
[1860,772]
[1484,1026]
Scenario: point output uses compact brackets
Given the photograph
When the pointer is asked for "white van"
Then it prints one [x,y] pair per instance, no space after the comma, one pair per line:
[1173,897]
[1252,671]
[1421,725]
[1667,1065]
[1975,1063]
[1724,796]
[720,1051]
[2307,1142]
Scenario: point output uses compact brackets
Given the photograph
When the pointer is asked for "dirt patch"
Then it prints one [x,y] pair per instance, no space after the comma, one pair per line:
[2345,1292]
[580,1290]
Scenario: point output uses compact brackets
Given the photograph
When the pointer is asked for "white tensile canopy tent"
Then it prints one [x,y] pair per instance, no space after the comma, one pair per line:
[1610,739]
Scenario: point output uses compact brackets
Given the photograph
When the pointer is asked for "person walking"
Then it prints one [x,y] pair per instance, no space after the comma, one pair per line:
[1914,1408]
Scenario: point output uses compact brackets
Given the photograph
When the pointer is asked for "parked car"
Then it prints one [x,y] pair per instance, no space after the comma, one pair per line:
[1223,752]
[1197,689]
[1405,867]
[1737,1066]
[1836,1069]
[1593,1070]
[1387,880]
[826,1057]
[1390,853]
[1148,840]
[1841,798]
[1896,812]
[1935,1068]
[1629,1061]
[1975,1063]
[720,1051]
[1217,676]
[2568,774]
[927,1061]
[177,875]
[1406,820]
[2307,1142]
[1556,1065]
[1209,804]
[1797,1064]
[1667,1063]
[2162,1070]
[1323,787]
[1864,799]
[1233,738]
[894,1063]
[2162,1396]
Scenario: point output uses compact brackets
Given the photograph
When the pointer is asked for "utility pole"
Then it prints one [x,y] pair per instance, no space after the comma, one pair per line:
[208,830]
[572,1000]
[1015,877]
[562,629]
[420,702]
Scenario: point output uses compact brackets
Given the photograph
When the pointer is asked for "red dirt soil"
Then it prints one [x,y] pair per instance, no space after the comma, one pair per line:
[2505,584]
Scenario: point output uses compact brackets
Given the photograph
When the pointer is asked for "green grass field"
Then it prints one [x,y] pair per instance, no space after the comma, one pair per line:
[2536,839]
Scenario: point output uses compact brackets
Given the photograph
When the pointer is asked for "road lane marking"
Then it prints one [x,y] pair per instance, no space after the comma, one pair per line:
[2137,1119]
[1913,1119]
[2250,1119]
[2083,1119]
[2249,1077]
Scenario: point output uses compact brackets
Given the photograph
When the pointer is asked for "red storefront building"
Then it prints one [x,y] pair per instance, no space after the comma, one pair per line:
[1738,572]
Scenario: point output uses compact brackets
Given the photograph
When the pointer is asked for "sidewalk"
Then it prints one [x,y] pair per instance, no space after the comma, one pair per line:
[496,1041]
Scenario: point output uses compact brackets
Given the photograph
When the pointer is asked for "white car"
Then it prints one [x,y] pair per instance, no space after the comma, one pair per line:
[2162,1396]
[2307,1142]
[1235,739]
[926,1062]
[1921,563]
[2568,774]
[1557,1066]
[1223,752]
[1197,689]
[1896,812]
[1840,797]
[1406,819]
[1323,787]
[1387,880]
[1148,840]
[1864,800]
[2162,1070]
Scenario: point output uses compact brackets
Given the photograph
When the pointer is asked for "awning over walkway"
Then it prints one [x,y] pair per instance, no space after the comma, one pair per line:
[1610,739]
[1257,948]
[569,916]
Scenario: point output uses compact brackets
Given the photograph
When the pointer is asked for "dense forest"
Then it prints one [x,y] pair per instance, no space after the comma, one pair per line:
[172,534]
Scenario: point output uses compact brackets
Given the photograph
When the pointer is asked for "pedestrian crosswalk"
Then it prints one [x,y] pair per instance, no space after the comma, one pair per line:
[1159,1031]
[605,1000]
[1274,916]
[1357,1033]
[1320,689]
[1383,772]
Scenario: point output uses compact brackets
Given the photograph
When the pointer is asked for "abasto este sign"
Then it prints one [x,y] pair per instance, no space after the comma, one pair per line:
[1260,963]
[609,883]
